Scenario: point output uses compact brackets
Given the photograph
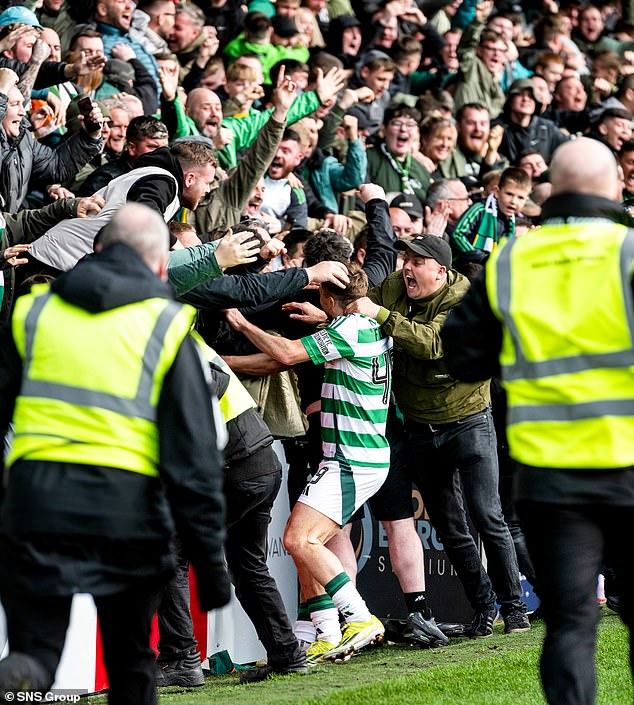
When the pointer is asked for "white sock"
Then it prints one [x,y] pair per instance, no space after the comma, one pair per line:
[350,603]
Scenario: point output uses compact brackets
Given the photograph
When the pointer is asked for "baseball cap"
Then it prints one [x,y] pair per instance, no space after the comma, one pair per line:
[372,55]
[430,246]
[409,203]
[346,21]
[525,84]
[362,118]
[284,26]
[19,15]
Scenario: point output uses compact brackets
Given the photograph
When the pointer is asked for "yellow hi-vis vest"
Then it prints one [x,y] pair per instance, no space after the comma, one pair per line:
[564,296]
[236,400]
[91,381]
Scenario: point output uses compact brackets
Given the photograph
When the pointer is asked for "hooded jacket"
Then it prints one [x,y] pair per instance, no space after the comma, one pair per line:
[540,134]
[157,182]
[123,519]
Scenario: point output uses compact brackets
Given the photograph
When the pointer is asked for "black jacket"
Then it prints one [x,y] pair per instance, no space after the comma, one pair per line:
[541,134]
[105,174]
[157,191]
[118,523]
[24,158]
[472,340]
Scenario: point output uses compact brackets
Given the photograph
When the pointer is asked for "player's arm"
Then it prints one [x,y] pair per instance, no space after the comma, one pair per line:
[288,352]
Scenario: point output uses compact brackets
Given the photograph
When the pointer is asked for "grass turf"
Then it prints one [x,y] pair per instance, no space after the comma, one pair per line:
[500,670]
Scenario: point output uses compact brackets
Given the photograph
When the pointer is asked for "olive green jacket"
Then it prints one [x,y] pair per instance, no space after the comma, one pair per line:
[474,82]
[424,390]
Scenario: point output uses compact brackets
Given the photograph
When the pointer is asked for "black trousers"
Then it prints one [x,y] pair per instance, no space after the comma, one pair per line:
[249,504]
[567,544]
[37,627]
[176,629]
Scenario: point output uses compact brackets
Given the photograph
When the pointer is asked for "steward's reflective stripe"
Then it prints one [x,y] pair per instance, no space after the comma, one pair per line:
[525,369]
[139,406]
[570,412]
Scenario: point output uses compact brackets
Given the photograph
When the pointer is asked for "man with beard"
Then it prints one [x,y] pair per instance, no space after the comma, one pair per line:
[253,208]
[476,145]
[244,187]
[164,180]
[144,134]
[205,109]
[281,200]
[204,113]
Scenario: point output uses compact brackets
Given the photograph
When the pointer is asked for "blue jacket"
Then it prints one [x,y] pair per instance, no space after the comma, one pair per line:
[330,177]
[113,36]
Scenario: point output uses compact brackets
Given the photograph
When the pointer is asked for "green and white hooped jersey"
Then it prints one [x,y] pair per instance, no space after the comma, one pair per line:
[356,390]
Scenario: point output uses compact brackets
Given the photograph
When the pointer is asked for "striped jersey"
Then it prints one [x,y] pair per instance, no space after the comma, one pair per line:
[356,389]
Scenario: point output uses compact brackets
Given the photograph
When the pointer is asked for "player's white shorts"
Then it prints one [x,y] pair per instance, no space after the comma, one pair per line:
[338,490]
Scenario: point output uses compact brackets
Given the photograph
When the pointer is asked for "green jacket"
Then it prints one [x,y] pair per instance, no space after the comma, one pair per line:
[189,267]
[222,207]
[474,82]
[244,129]
[381,172]
[424,390]
[268,54]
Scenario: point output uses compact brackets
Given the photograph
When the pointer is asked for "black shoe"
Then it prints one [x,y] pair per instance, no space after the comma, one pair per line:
[424,632]
[614,603]
[516,620]
[482,623]
[536,615]
[20,672]
[187,672]
[261,673]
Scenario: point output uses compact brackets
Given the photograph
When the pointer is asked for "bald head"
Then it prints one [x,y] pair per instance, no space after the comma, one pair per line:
[584,165]
[205,109]
[142,229]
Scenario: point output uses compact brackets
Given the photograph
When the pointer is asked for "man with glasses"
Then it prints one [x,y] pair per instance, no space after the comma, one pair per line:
[391,164]
[482,57]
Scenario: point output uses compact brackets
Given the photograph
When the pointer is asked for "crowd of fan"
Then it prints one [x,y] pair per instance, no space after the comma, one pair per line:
[432,100]
[324,130]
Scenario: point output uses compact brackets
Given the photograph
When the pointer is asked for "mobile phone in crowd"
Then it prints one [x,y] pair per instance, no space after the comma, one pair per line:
[85,106]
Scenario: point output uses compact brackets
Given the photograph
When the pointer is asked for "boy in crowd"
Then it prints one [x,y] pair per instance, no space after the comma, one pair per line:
[484,224]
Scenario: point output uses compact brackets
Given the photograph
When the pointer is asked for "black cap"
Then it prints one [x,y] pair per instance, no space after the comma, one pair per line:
[345,21]
[430,246]
[284,26]
[409,203]
[362,117]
